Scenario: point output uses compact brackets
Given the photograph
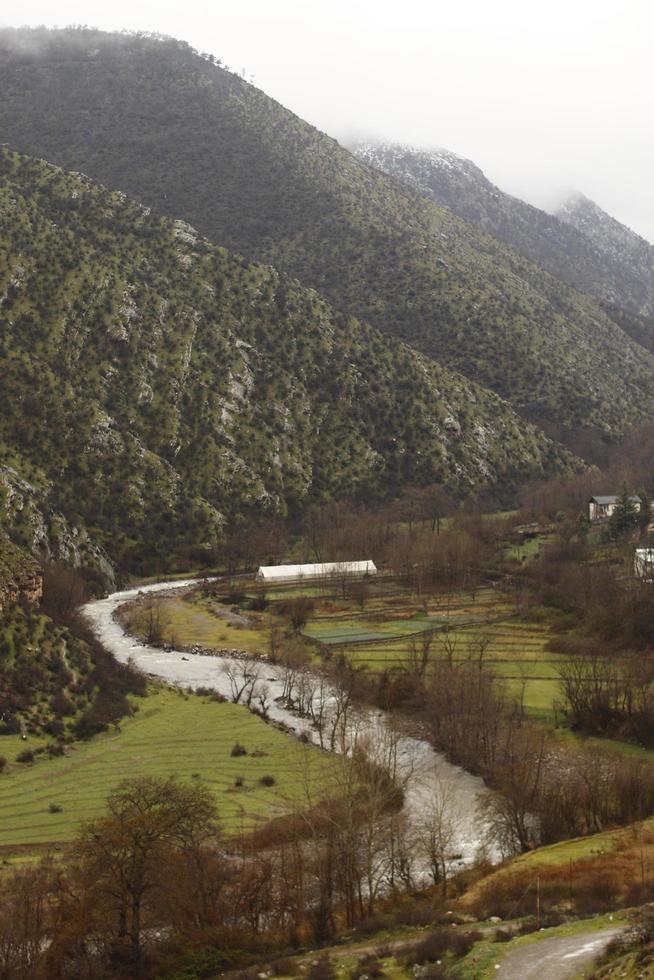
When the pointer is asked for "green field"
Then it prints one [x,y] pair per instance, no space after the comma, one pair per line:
[379,633]
[173,733]
[516,650]
[193,619]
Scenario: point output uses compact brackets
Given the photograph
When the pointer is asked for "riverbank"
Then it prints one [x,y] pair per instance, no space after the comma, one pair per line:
[426,774]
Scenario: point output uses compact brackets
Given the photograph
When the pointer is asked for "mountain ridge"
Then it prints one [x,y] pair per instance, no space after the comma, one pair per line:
[578,243]
[187,138]
[159,387]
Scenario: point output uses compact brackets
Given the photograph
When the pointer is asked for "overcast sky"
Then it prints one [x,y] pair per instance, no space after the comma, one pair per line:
[546,97]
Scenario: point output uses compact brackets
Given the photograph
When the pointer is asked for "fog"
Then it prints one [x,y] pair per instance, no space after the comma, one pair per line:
[547,99]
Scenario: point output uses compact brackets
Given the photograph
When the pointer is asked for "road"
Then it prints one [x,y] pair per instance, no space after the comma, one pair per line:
[557,957]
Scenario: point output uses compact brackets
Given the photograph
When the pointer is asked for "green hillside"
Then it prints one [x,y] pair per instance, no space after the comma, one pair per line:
[581,244]
[158,387]
[177,131]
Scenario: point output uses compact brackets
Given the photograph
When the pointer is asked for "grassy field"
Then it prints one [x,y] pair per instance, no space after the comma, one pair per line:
[173,733]
[379,632]
[194,619]
[515,648]
[570,871]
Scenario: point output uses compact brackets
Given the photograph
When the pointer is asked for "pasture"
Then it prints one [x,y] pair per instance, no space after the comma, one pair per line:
[174,733]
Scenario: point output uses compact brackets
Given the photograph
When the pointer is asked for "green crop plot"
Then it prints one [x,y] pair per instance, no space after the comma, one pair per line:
[174,733]
[514,649]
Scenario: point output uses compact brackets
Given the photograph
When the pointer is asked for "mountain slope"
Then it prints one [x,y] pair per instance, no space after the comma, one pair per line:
[616,246]
[19,573]
[156,386]
[580,245]
[187,137]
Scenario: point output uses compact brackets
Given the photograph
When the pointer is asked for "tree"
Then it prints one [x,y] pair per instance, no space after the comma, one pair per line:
[437,830]
[125,859]
[645,512]
[25,926]
[624,518]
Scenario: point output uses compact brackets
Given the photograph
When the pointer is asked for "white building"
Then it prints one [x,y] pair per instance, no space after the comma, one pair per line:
[644,564]
[317,571]
[602,507]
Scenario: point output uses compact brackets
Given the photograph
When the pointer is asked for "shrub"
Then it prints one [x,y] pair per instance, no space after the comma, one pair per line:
[285,968]
[321,969]
[55,808]
[375,923]
[238,782]
[267,780]
[54,727]
[434,946]
[238,749]
[3,763]
[416,914]
[368,966]
[600,894]
[25,756]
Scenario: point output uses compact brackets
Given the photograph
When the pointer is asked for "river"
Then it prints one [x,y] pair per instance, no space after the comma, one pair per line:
[425,773]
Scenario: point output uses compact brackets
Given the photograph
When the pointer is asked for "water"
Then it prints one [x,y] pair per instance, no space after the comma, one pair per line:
[425,774]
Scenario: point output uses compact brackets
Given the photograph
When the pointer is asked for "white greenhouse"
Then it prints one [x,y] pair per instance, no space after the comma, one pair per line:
[317,571]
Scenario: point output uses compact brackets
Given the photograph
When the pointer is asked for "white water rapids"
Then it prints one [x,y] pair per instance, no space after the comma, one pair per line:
[425,774]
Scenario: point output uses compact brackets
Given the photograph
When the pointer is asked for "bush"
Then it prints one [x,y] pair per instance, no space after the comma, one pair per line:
[55,808]
[3,763]
[25,756]
[321,969]
[416,914]
[238,749]
[375,923]
[598,895]
[285,968]
[238,782]
[434,946]
[267,780]
[368,966]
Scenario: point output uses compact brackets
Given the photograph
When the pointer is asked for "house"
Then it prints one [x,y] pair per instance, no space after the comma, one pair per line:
[283,574]
[644,564]
[602,507]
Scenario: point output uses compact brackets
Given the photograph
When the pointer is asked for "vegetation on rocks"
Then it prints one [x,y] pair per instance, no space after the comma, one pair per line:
[179,132]
[158,387]
[580,244]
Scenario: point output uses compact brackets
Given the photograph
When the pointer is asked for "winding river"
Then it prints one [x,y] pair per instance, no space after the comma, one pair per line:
[425,774]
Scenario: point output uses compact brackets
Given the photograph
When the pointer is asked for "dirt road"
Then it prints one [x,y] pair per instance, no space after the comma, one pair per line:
[555,958]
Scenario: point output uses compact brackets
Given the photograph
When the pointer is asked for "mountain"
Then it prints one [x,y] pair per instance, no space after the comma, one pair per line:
[188,138]
[580,244]
[616,246]
[156,386]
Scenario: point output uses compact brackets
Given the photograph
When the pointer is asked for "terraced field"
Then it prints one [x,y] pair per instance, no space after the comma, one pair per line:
[461,626]
[174,733]
[379,633]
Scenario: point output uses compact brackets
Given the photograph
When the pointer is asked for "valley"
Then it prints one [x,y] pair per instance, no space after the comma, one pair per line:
[326,531]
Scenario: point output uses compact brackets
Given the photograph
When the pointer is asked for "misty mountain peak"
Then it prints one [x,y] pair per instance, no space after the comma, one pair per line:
[418,165]
[580,244]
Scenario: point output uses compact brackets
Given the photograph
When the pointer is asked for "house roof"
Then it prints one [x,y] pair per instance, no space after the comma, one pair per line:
[612,498]
[317,569]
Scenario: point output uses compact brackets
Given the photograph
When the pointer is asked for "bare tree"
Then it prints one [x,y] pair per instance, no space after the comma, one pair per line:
[436,830]
[242,677]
